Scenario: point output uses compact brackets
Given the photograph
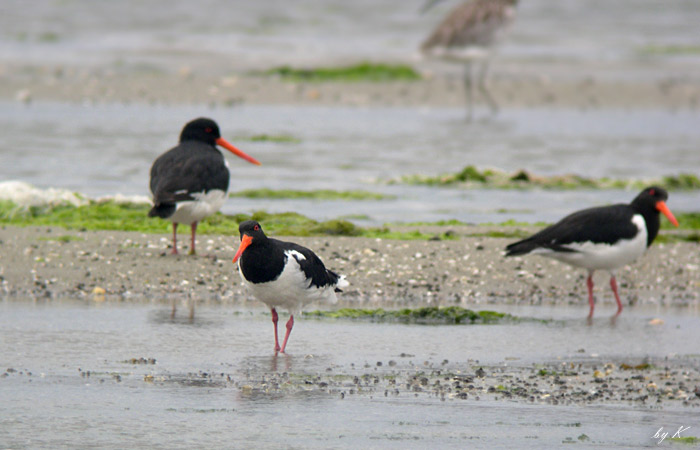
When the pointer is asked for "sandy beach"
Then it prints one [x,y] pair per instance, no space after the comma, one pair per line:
[43,262]
[515,86]
[50,265]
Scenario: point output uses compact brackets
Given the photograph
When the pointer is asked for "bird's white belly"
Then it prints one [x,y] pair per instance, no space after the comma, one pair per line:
[290,290]
[604,256]
[204,205]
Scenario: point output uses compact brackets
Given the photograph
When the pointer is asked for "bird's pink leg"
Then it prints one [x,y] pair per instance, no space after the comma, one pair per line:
[193,232]
[589,283]
[613,285]
[290,324]
[275,318]
[174,252]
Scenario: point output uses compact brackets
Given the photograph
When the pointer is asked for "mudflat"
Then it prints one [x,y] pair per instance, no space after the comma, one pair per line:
[52,262]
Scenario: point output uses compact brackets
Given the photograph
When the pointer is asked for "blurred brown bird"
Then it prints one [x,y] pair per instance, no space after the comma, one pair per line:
[469,34]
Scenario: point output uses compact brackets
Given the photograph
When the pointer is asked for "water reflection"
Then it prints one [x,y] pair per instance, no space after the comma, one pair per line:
[217,379]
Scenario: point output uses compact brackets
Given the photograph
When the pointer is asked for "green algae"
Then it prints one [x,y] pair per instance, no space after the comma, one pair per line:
[685,440]
[548,372]
[63,238]
[134,217]
[319,194]
[276,138]
[426,315]
[671,50]
[472,177]
[686,220]
[108,215]
[365,71]
[683,181]
[94,216]
[642,366]
[514,234]
[409,235]
[515,223]
[49,36]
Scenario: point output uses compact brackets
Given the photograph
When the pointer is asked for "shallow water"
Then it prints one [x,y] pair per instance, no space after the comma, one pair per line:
[108,149]
[51,401]
[216,35]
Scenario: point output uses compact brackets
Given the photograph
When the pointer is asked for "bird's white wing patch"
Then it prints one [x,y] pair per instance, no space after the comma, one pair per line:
[298,256]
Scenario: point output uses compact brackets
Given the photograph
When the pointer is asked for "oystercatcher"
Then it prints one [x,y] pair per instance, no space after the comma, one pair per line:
[283,274]
[468,34]
[189,182]
[602,238]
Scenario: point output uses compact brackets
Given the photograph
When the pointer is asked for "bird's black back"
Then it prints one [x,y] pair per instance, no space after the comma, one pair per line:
[600,225]
[264,261]
[188,168]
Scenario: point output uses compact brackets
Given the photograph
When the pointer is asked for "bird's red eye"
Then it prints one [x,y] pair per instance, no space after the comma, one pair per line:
[208,130]
[652,192]
[256,228]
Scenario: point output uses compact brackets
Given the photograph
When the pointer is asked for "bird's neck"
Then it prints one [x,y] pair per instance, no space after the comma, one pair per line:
[261,261]
[652,221]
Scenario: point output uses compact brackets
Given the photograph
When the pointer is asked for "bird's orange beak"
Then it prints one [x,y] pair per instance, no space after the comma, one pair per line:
[245,242]
[661,206]
[228,146]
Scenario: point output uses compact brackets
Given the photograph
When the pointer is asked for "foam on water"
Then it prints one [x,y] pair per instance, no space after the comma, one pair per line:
[25,195]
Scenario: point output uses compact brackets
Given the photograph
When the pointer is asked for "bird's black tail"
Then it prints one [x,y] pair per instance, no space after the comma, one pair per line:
[521,247]
[162,210]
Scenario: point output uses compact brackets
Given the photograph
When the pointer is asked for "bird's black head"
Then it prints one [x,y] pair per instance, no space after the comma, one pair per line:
[651,195]
[251,228]
[207,131]
[202,130]
[251,231]
[652,201]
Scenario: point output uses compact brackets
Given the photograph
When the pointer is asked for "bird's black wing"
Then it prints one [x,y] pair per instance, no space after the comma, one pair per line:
[601,225]
[186,169]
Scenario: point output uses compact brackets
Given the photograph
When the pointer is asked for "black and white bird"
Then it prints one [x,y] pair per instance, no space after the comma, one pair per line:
[468,34]
[283,275]
[190,181]
[601,238]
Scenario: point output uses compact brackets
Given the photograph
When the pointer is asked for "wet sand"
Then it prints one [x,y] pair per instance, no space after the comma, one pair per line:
[138,375]
[513,85]
[50,262]
[87,315]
